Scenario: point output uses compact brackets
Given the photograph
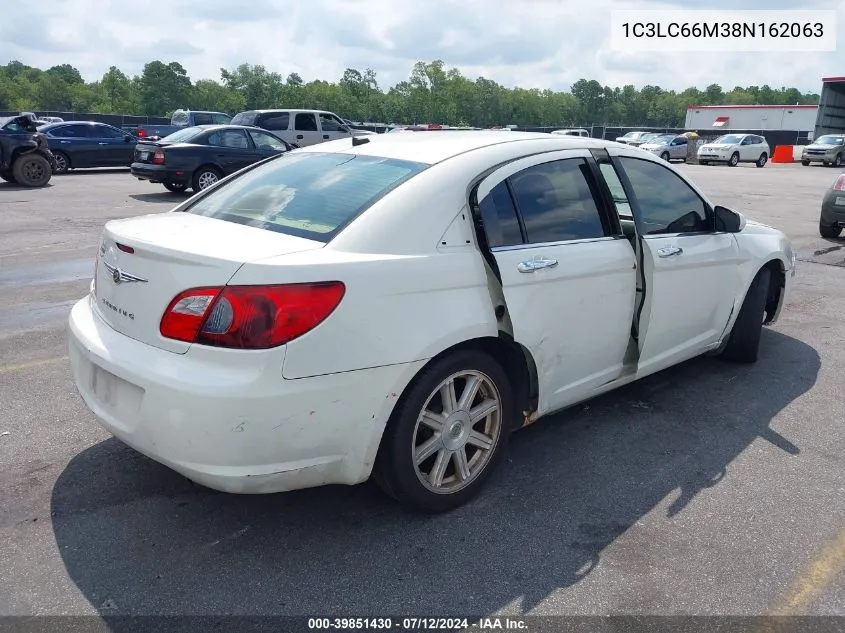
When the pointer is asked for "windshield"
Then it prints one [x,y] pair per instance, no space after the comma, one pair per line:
[183,135]
[830,140]
[634,135]
[310,195]
[729,139]
[662,139]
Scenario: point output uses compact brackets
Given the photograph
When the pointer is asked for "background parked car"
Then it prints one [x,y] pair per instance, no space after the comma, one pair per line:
[832,217]
[25,158]
[634,138]
[576,132]
[300,127]
[734,149]
[667,146]
[81,144]
[199,156]
[828,150]
[179,121]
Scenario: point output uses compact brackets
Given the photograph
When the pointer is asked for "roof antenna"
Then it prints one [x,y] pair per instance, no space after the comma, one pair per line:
[359,140]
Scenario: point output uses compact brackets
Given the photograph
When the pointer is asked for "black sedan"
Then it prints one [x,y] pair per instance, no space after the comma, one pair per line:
[80,144]
[199,156]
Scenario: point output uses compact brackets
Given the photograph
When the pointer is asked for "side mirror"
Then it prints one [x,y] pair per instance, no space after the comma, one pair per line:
[728,221]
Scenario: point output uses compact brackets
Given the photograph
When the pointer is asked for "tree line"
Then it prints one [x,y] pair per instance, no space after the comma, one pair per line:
[432,93]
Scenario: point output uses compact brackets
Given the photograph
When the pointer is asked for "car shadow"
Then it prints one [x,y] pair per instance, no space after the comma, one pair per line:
[136,538]
[13,186]
[83,171]
[161,197]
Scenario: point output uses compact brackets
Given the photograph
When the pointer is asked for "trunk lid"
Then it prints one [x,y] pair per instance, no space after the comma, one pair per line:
[172,252]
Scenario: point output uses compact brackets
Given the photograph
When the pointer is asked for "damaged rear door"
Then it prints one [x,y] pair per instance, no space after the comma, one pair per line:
[567,274]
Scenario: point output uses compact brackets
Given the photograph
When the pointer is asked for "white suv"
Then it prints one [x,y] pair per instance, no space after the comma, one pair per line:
[299,127]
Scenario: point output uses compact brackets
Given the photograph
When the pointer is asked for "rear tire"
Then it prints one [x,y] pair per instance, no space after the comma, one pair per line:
[32,170]
[438,470]
[205,177]
[744,342]
[7,176]
[830,231]
[734,160]
[761,162]
[175,187]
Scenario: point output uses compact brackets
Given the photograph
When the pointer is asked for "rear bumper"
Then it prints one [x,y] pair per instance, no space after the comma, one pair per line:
[159,173]
[232,425]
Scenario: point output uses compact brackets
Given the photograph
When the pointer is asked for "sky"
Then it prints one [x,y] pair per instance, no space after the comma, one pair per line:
[528,43]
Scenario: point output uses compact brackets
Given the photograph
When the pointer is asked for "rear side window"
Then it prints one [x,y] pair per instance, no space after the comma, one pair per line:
[71,131]
[498,215]
[278,121]
[310,195]
[557,202]
[306,122]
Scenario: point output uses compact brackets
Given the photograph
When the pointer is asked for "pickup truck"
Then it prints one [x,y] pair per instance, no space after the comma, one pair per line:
[180,119]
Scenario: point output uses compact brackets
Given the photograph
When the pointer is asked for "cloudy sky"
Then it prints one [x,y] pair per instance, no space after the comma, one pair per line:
[530,43]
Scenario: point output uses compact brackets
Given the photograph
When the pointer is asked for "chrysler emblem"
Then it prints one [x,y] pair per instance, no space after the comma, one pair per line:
[119,276]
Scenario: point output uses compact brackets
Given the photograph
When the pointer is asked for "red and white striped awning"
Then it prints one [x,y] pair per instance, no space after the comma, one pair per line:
[721,121]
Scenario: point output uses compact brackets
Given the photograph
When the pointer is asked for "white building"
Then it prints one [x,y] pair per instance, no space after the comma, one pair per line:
[800,118]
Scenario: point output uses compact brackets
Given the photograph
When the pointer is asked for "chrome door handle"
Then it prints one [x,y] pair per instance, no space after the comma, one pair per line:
[64,142]
[102,143]
[669,251]
[529,266]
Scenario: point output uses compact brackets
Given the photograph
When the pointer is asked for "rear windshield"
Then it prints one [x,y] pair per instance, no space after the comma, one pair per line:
[310,195]
[184,135]
[244,118]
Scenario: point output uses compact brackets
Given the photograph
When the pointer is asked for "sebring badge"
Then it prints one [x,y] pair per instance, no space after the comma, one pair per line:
[121,277]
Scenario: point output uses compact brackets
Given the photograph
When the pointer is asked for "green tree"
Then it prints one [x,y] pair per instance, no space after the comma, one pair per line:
[163,87]
[211,95]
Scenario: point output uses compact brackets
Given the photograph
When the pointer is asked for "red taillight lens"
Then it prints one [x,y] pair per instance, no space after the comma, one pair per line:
[839,185]
[158,157]
[250,317]
[142,133]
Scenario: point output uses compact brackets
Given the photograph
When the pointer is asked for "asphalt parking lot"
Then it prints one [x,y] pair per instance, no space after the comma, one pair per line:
[711,488]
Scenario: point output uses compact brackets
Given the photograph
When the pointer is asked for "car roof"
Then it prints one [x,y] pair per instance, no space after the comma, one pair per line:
[284,110]
[434,148]
[63,123]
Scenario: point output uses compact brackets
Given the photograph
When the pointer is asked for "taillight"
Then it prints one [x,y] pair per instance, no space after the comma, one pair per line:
[142,133]
[839,185]
[158,157]
[250,317]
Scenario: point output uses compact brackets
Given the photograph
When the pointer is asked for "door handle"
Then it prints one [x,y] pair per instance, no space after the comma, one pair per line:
[325,136]
[64,142]
[529,266]
[669,251]
[299,136]
[102,143]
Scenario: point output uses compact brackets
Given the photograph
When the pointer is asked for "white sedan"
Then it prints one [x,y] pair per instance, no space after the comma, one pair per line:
[396,306]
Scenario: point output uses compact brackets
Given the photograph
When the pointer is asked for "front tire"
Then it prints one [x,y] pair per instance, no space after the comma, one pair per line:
[837,162]
[806,163]
[447,434]
[32,170]
[744,342]
[7,176]
[665,156]
[205,177]
[734,160]
[829,231]
[761,162]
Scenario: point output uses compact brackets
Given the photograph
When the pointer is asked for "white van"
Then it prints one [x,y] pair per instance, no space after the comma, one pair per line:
[299,127]
[578,132]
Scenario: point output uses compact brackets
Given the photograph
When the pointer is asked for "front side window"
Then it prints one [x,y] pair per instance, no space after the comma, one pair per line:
[306,122]
[310,195]
[667,204]
[557,201]
[330,124]
[267,141]
[71,131]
